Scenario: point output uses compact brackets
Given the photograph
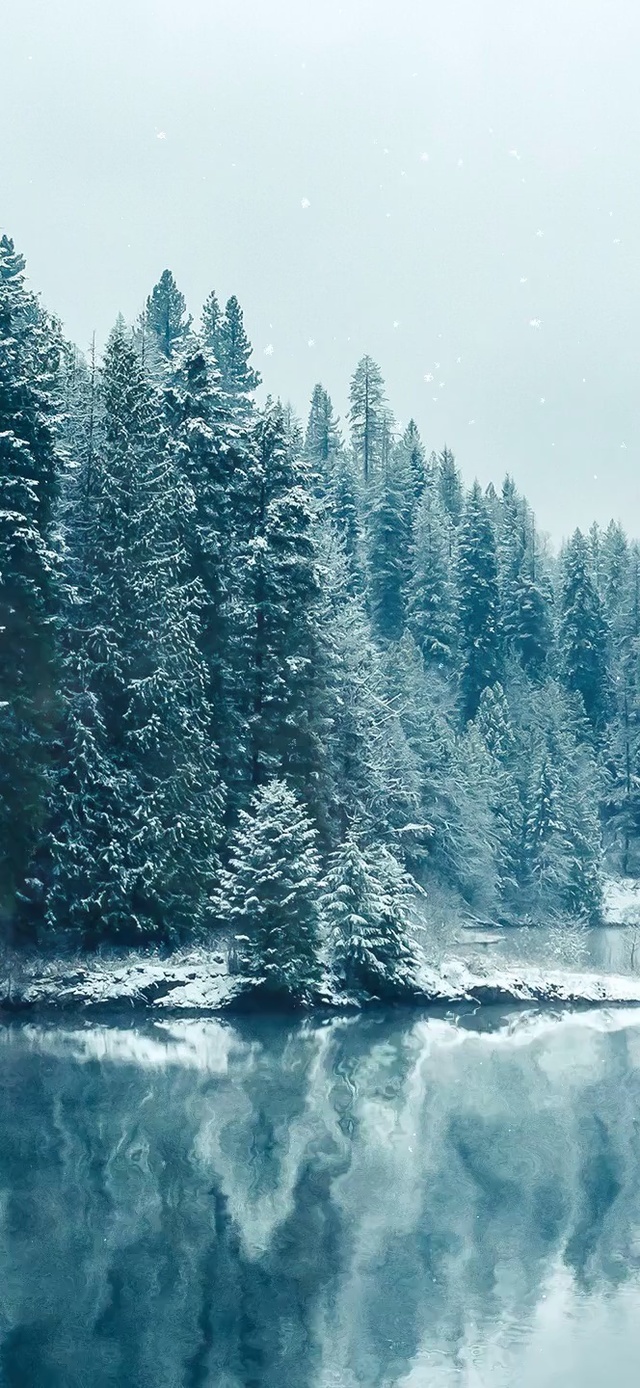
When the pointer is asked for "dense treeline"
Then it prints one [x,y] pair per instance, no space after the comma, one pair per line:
[262,678]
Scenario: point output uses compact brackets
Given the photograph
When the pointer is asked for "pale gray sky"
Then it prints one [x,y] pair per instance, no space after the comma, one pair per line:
[453,188]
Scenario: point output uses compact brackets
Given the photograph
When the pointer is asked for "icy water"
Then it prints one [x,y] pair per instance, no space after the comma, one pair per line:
[383,1200]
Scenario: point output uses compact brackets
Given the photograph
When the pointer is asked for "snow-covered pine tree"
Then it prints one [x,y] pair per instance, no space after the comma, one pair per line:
[494,725]
[479,603]
[269,898]
[211,320]
[239,378]
[368,417]
[450,486]
[29,573]
[583,635]
[211,452]
[322,441]
[365,901]
[432,599]
[411,447]
[138,685]
[389,523]
[166,321]
[526,594]
[282,681]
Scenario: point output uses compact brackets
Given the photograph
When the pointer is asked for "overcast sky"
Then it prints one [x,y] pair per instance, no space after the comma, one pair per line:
[452,188]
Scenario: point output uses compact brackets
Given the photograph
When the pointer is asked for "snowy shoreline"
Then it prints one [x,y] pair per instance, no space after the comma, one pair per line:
[195,986]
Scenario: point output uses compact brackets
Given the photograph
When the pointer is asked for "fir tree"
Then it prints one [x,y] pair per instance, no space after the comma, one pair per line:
[234,351]
[140,676]
[413,453]
[322,441]
[269,897]
[165,317]
[213,458]
[365,901]
[450,486]
[389,544]
[211,318]
[583,632]
[29,579]
[283,680]
[432,603]
[481,636]
[368,417]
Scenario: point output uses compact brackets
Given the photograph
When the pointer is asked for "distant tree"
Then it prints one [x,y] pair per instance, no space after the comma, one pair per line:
[165,317]
[479,598]
[432,600]
[411,448]
[322,441]
[450,486]
[212,318]
[368,416]
[234,351]
[583,632]
[389,523]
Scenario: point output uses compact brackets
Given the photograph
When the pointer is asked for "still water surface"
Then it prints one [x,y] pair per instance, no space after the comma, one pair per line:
[386,1200]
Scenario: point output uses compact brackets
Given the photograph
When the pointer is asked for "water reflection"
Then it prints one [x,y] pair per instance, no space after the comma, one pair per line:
[378,1201]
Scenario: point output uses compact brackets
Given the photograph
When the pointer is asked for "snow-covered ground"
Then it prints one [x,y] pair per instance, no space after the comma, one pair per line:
[201,984]
[622,901]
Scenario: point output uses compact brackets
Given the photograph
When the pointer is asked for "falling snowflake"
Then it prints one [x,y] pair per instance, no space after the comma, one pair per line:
[268,351]
[623,445]
[161,135]
[458,360]
[523,279]
[542,401]
[429,376]
[396,323]
[440,387]
[305,203]
[436,364]
[424,158]
[311,342]
[472,421]
[514,154]
[539,233]
[460,163]
[616,240]
[535,322]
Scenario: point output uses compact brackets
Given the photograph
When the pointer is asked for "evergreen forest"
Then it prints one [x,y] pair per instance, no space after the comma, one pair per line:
[272,680]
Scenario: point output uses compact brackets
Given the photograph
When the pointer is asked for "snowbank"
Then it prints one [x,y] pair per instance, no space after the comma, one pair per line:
[201,984]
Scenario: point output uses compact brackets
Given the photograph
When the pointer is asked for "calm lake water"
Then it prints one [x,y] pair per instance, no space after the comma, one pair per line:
[382,1200]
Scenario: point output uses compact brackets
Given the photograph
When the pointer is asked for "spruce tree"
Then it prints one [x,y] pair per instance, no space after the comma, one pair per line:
[450,486]
[365,902]
[322,441]
[234,351]
[269,896]
[142,729]
[432,601]
[213,457]
[29,573]
[165,317]
[479,597]
[412,449]
[583,632]
[368,416]
[389,522]
[282,681]
[211,318]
